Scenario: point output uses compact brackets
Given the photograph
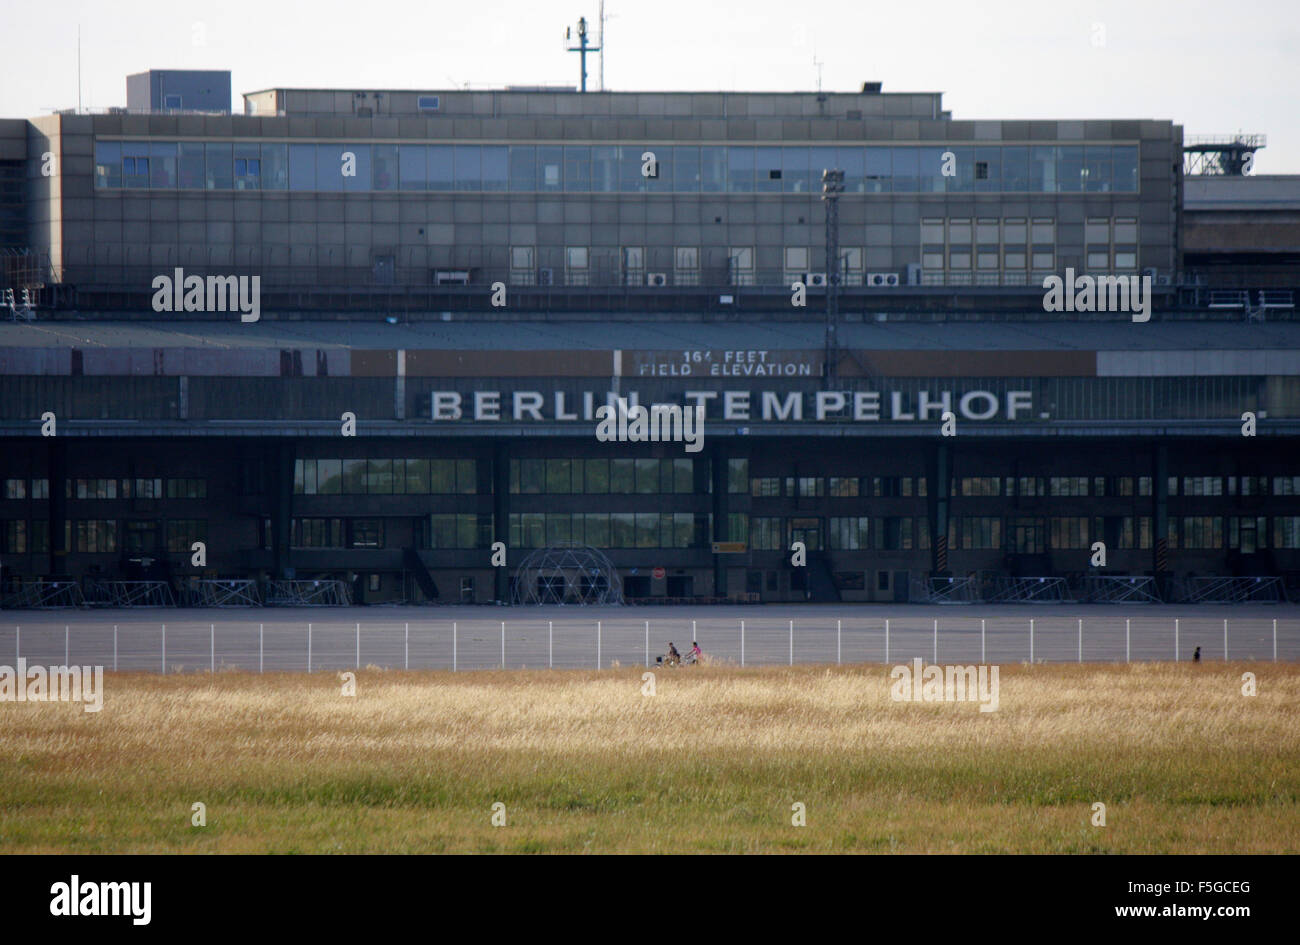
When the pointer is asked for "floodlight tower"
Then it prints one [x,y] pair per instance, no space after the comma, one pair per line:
[582,48]
[832,187]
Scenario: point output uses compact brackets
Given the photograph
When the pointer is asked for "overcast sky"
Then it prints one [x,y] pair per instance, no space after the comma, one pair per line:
[1208,65]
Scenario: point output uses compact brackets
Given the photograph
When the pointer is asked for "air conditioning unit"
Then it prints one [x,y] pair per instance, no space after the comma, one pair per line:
[546,276]
[815,280]
[656,280]
[881,280]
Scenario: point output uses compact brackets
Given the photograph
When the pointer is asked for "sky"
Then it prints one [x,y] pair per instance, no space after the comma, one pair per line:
[1212,67]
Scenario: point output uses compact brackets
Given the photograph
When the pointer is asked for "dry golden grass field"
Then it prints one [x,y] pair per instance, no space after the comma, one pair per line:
[713,762]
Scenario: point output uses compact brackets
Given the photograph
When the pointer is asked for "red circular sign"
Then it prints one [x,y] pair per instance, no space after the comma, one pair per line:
[658,574]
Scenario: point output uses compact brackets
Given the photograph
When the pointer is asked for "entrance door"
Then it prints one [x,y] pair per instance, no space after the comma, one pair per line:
[808,531]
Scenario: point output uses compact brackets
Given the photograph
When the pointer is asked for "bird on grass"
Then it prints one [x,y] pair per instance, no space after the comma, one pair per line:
[1196,657]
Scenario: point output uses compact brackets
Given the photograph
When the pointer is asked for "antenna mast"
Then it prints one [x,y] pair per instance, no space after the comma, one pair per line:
[582,49]
[602,45]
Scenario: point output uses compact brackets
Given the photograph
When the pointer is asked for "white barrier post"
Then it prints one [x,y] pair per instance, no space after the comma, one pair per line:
[550,644]
[982,659]
[936,639]
[309,648]
[406,659]
[886,639]
[791,642]
[261,648]
[839,649]
[1128,649]
[1175,639]
[212,648]
[742,643]
[114,647]
[598,643]
[453,646]
[1225,641]
[1031,640]
[503,644]
[18,642]
[164,649]
[358,645]
[1080,639]
[1274,639]
[67,650]
[647,643]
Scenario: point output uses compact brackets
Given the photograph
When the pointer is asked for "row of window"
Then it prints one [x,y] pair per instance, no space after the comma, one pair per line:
[110,488]
[104,536]
[1246,534]
[1101,486]
[472,168]
[384,476]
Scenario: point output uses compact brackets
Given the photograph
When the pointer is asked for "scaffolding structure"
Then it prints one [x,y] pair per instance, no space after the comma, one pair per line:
[45,595]
[130,594]
[1027,590]
[1120,589]
[567,574]
[327,593]
[950,590]
[223,592]
[1233,590]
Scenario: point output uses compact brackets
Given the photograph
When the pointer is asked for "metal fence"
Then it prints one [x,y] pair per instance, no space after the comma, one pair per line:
[600,644]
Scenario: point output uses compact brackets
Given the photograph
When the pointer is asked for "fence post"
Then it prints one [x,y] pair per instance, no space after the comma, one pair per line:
[453,646]
[164,649]
[18,641]
[212,648]
[1031,640]
[550,644]
[886,639]
[406,659]
[936,640]
[1175,639]
[742,643]
[1080,639]
[839,649]
[358,644]
[503,644]
[647,643]
[261,649]
[309,647]
[1128,648]
[598,643]
[114,647]
[982,659]
[791,642]
[1225,640]
[67,649]
[1274,639]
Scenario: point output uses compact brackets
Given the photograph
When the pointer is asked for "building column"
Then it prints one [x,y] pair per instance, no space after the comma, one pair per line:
[720,507]
[1160,516]
[501,519]
[940,491]
[57,507]
[281,457]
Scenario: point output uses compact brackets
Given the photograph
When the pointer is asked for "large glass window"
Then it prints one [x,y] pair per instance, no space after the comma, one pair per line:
[740,170]
[302,167]
[469,167]
[550,169]
[442,174]
[108,164]
[162,164]
[248,166]
[1124,168]
[220,166]
[713,169]
[275,166]
[577,168]
[384,172]
[1042,169]
[523,168]
[686,169]
[413,169]
[496,173]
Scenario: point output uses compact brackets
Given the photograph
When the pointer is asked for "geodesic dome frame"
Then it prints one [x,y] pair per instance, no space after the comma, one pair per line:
[566,574]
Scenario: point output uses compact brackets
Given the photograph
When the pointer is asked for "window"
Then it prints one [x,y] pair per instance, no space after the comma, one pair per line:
[1070,486]
[767,487]
[1286,531]
[94,536]
[428,103]
[765,534]
[1070,532]
[840,487]
[981,486]
[316,532]
[94,488]
[142,489]
[811,487]
[1249,535]
[894,534]
[182,533]
[15,537]
[980,532]
[848,534]
[366,533]
[15,488]
[186,488]
[1202,485]
[1286,485]
[1200,531]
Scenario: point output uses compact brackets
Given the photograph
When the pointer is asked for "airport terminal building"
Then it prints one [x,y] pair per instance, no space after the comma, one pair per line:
[450,284]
